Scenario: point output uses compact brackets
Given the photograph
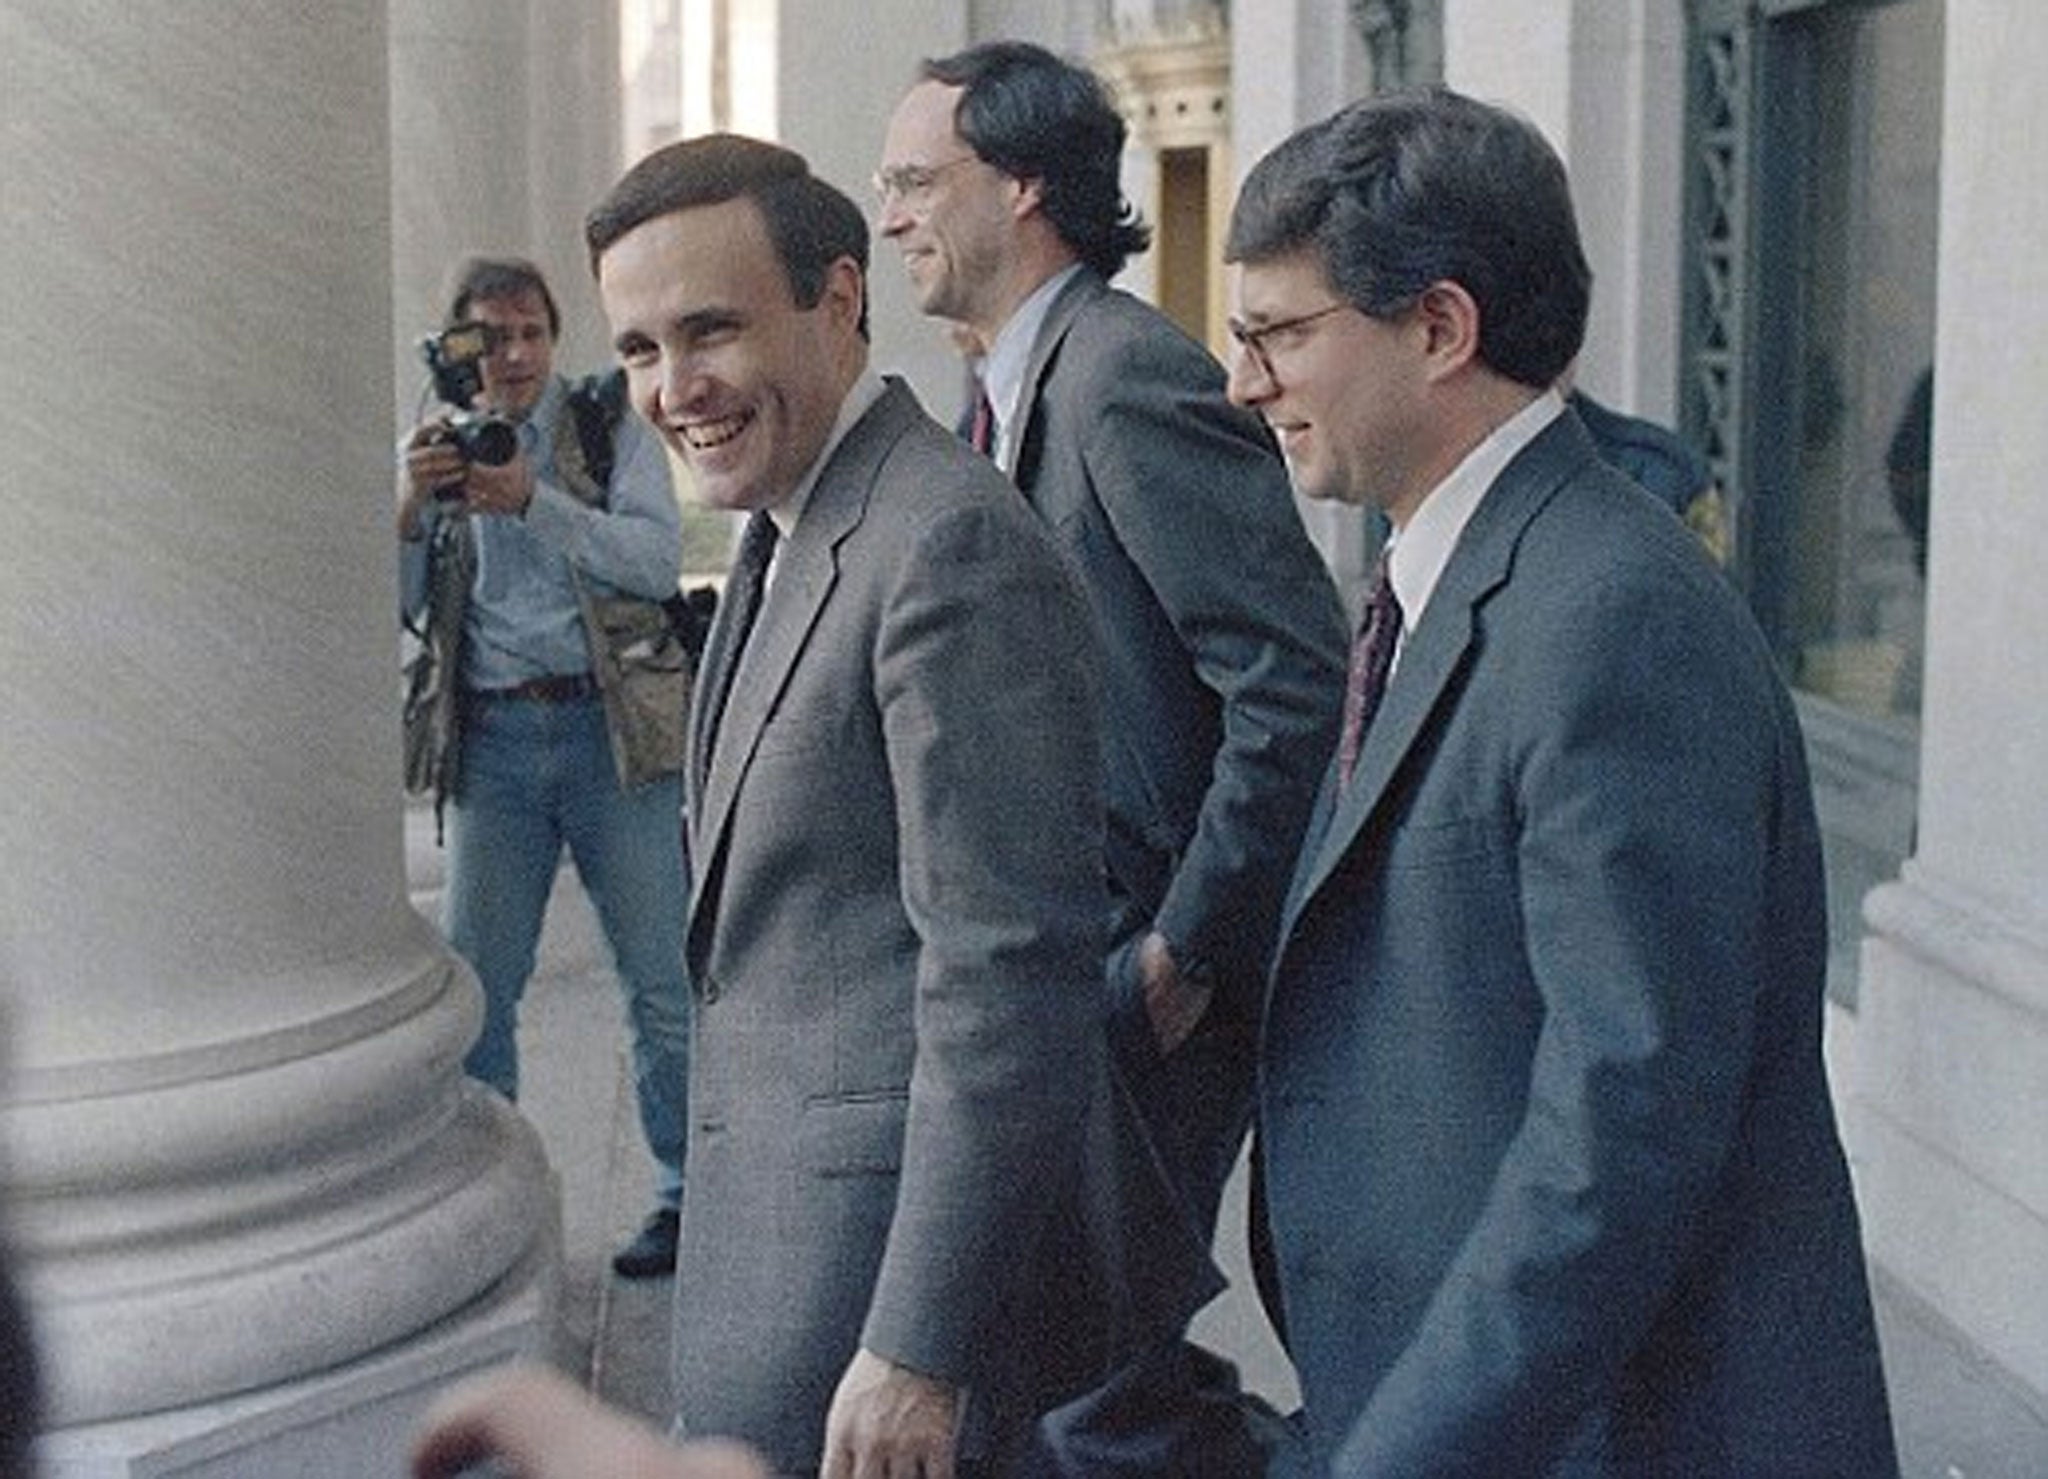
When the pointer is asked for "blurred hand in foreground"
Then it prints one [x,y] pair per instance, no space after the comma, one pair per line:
[535,1424]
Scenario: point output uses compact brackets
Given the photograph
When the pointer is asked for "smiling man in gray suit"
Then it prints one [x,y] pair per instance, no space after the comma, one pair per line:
[896,925]
[1220,629]
[1553,1176]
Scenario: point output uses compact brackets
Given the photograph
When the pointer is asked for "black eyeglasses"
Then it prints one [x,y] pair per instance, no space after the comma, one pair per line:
[912,183]
[1259,342]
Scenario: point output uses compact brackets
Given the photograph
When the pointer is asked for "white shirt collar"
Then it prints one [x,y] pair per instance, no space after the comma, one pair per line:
[1418,553]
[1002,372]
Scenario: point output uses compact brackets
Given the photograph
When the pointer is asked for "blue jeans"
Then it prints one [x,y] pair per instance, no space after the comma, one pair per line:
[535,776]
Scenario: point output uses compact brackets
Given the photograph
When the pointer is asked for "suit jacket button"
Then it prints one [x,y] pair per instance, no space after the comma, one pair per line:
[708,988]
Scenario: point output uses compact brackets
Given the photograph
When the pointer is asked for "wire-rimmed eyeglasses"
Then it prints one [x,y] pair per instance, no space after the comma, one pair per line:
[1259,342]
[912,183]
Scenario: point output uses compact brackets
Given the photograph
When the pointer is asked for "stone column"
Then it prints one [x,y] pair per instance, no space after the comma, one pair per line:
[1626,162]
[261,1213]
[575,113]
[1948,1057]
[1293,64]
[459,161]
[505,131]
[842,70]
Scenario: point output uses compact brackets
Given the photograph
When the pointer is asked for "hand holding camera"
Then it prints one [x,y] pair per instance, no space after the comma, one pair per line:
[455,358]
[466,456]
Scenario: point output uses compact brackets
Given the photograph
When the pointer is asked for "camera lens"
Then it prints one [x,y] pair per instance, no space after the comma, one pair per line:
[491,442]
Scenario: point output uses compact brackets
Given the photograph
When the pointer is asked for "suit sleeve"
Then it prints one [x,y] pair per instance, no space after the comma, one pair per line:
[1200,501]
[1652,757]
[983,669]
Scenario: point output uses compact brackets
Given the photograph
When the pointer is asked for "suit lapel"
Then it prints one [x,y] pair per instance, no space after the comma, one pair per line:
[1435,652]
[1082,289]
[807,568]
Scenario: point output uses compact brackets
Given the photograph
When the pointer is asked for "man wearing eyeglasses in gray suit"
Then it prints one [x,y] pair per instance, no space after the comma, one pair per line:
[1220,631]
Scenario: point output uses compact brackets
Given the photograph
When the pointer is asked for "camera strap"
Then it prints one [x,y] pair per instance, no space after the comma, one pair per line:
[431,709]
[597,402]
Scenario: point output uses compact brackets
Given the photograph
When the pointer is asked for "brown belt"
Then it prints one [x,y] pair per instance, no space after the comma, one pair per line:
[556,688]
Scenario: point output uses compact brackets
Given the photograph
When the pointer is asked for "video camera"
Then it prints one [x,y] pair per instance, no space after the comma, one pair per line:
[455,359]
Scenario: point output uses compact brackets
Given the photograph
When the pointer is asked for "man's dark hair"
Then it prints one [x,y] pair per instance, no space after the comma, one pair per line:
[811,224]
[1412,188]
[498,278]
[1036,117]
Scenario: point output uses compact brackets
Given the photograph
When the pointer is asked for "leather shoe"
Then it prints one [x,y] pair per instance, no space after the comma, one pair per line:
[652,1253]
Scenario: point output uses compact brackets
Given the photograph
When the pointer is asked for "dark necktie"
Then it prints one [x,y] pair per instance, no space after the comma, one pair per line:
[981,432]
[1372,658]
[743,589]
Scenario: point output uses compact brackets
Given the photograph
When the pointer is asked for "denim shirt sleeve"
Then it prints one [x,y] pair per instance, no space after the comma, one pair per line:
[634,544]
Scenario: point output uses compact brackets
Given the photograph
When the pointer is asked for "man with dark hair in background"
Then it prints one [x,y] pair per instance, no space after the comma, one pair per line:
[530,764]
[1552,1175]
[1667,467]
[1220,630]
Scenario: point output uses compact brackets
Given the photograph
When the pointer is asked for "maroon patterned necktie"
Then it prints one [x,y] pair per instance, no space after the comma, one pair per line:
[1372,658]
[981,432]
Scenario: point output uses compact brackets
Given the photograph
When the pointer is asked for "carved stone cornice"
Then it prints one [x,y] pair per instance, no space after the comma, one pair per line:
[1175,94]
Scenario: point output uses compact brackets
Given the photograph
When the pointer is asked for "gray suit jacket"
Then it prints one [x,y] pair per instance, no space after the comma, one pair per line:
[1552,1173]
[897,1090]
[1223,638]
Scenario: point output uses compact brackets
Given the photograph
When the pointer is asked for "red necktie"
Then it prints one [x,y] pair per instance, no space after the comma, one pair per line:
[1372,658]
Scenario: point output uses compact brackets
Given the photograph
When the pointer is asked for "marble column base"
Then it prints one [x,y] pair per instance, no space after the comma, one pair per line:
[252,1213]
[355,1421]
[1941,1086]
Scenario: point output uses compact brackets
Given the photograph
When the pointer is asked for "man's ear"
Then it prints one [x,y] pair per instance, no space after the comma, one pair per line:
[1027,197]
[1449,319]
[844,292]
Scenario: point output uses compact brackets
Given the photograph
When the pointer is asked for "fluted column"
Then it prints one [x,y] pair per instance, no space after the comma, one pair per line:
[243,1162]
[459,162]
[505,129]
[578,155]
[1297,63]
